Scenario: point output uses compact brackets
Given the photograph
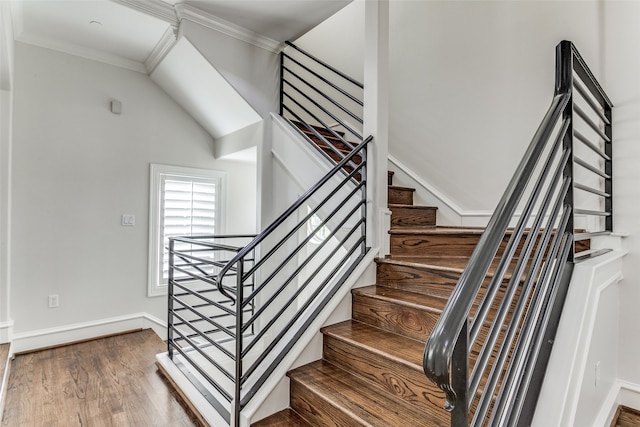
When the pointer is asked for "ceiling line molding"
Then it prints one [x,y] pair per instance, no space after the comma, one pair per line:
[164,45]
[116,61]
[155,8]
[198,16]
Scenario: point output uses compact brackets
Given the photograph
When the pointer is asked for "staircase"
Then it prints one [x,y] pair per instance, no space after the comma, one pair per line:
[371,371]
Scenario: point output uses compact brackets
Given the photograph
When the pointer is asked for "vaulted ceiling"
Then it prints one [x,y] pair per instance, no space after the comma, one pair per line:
[129,33]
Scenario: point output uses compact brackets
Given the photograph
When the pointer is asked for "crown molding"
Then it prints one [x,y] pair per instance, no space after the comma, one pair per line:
[155,8]
[161,49]
[82,52]
[198,16]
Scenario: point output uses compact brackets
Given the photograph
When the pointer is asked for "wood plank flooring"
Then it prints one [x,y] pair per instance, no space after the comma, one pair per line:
[627,417]
[107,382]
[4,354]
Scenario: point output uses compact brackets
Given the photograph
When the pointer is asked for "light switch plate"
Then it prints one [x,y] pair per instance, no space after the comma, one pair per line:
[128,220]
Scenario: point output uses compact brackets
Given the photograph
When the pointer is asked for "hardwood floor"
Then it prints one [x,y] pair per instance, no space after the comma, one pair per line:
[627,417]
[107,382]
[4,353]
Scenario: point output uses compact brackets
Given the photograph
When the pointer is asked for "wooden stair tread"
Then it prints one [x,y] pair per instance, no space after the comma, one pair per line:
[450,264]
[344,393]
[399,348]
[284,418]
[419,207]
[396,187]
[447,231]
[402,297]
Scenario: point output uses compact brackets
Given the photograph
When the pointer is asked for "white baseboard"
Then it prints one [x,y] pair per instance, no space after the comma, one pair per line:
[621,393]
[42,338]
[449,212]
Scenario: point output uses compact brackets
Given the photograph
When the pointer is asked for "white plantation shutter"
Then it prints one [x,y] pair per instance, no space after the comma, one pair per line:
[184,202]
[189,208]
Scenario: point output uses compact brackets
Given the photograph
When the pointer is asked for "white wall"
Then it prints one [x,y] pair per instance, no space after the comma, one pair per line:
[7,47]
[77,168]
[344,29]
[254,72]
[470,82]
[622,68]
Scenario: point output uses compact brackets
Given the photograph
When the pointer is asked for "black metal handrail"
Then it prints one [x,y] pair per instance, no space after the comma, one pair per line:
[323,103]
[237,310]
[521,272]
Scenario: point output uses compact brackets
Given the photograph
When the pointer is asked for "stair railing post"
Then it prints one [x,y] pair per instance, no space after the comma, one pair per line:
[281,82]
[170,302]
[564,84]
[460,378]
[239,325]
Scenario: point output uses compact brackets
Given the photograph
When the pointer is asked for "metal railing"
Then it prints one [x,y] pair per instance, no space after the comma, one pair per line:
[236,308]
[489,349]
[323,103]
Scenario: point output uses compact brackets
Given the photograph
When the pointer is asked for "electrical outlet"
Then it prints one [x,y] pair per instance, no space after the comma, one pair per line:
[54,301]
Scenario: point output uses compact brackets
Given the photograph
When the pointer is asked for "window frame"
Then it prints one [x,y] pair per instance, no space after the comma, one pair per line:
[158,173]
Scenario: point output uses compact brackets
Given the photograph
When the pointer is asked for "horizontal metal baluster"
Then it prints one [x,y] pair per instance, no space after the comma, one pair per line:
[301,223]
[505,396]
[292,209]
[597,108]
[439,347]
[299,268]
[591,190]
[281,288]
[591,124]
[494,286]
[313,130]
[327,66]
[323,79]
[586,76]
[327,112]
[590,212]
[590,167]
[291,254]
[348,128]
[211,320]
[538,336]
[202,372]
[591,145]
[503,311]
[303,328]
[203,298]
[196,347]
[202,317]
[492,380]
[304,306]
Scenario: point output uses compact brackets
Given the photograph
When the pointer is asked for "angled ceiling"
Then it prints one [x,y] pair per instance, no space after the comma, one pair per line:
[128,33]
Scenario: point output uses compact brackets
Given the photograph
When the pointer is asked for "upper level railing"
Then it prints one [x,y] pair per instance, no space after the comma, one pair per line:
[237,307]
[315,95]
[489,349]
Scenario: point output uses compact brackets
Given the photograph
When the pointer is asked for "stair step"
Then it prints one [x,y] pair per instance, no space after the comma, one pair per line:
[406,313]
[390,362]
[434,242]
[284,418]
[329,396]
[400,195]
[320,129]
[412,216]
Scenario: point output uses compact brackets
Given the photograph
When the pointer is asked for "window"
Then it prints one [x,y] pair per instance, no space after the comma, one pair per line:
[184,201]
